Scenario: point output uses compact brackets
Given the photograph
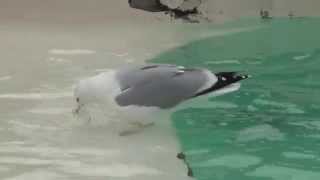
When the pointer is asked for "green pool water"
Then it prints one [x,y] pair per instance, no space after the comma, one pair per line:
[270,128]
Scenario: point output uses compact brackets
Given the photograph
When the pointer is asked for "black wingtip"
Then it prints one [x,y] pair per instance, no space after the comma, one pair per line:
[224,79]
[234,75]
[244,76]
[231,77]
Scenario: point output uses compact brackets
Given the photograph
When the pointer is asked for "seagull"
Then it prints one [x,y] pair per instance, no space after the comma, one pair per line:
[151,86]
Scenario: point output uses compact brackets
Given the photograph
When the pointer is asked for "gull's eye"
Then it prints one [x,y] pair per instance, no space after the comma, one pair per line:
[223,79]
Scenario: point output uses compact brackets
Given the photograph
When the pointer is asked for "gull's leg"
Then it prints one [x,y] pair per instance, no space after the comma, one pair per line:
[135,127]
[129,131]
[81,109]
[142,124]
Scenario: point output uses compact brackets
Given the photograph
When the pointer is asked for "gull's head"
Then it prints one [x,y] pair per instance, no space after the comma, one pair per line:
[96,89]
[85,92]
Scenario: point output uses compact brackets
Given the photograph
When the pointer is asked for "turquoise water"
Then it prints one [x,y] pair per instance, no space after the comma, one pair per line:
[270,128]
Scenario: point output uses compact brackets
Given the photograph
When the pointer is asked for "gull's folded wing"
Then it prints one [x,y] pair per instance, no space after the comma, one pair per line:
[148,5]
[162,86]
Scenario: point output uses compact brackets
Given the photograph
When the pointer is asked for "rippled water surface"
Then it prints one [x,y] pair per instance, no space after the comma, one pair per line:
[269,130]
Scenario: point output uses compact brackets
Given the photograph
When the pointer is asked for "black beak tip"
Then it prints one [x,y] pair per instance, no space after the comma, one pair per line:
[242,76]
[246,76]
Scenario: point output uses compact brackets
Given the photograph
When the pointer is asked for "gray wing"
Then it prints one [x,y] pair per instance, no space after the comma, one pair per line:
[135,76]
[161,86]
[148,5]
